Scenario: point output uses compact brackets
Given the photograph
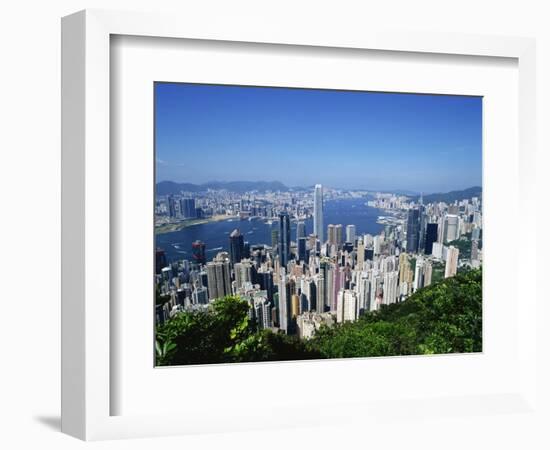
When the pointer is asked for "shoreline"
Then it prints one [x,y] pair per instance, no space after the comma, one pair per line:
[171,227]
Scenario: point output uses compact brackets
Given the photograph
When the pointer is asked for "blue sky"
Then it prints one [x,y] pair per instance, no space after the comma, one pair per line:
[366,140]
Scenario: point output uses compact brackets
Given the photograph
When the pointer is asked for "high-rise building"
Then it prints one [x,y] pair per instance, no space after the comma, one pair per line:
[236,246]
[451,262]
[284,302]
[431,237]
[171,206]
[300,230]
[346,306]
[331,234]
[413,229]
[275,240]
[160,260]
[405,269]
[302,249]
[318,213]
[200,296]
[265,278]
[198,252]
[475,250]
[360,254]
[218,279]
[243,273]
[350,234]
[338,229]
[452,229]
[437,250]
[284,239]
[187,208]
[391,287]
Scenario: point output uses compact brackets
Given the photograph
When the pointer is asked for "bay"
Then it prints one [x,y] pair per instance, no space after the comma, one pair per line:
[177,244]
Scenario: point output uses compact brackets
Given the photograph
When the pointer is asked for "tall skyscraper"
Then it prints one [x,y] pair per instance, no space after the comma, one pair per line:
[413,229]
[350,233]
[160,260]
[284,302]
[236,246]
[302,249]
[199,252]
[300,230]
[171,206]
[318,213]
[284,239]
[431,237]
[360,254]
[451,262]
[275,240]
[331,234]
[339,234]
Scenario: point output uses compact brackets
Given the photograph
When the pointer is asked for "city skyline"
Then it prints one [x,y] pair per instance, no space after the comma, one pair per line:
[378,253]
[201,129]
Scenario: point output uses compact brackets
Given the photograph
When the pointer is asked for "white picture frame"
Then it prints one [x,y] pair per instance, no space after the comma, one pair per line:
[87,355]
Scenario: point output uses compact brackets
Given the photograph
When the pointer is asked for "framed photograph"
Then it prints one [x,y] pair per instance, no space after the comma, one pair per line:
[282,228]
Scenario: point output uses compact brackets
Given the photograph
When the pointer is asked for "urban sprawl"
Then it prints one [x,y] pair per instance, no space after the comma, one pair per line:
[306,278]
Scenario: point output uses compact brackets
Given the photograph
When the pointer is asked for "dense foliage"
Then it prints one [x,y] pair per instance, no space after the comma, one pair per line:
[443,318]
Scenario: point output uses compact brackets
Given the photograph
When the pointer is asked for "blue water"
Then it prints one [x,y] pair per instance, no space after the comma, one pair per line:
[215,235]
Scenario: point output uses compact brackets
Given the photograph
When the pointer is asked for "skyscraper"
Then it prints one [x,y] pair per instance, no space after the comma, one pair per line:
[219,279]
[451,225]
[350,233]
[302,249]
[346,306]
[284,238]
[187,208]
[236,246]
[171,206]
[318,213]
[160,260]
[431,237]
[451,262]
[300,230]
[360,254]
[199,252]
[339,235]
[284,302]
[413,229]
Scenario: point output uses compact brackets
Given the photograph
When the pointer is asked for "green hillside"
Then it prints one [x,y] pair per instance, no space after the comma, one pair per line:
[443,318]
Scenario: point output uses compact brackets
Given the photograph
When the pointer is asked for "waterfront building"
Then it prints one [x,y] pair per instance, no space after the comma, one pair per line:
[350,233]
[160,260]
[187,208]
[198,252]
[236,246]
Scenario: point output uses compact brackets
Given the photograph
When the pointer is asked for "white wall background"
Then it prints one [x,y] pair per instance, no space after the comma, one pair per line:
[30,193]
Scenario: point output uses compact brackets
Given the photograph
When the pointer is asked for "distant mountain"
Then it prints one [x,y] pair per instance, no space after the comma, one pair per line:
[171,187]
[450,197]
